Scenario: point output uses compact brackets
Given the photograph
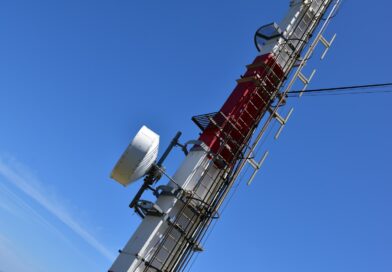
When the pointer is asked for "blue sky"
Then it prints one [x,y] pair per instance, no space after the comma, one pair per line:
[79,78]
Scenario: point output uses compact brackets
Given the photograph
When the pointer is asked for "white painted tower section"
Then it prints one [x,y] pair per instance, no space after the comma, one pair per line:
[142,243]
[299,13]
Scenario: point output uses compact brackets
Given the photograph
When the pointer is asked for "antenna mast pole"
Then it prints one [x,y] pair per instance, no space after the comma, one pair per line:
[174,226]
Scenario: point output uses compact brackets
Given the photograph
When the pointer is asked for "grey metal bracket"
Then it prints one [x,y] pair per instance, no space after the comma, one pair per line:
[326,43]
[197,247]
[282,121]
[154,174]
[305,80]
[167,190]
[145,207]
[184,147]
[256,166]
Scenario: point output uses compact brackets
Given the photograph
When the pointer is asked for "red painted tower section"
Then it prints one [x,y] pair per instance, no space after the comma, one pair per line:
[246,105]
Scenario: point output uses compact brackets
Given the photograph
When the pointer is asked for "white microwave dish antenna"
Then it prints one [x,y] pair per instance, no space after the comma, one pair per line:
[138,158]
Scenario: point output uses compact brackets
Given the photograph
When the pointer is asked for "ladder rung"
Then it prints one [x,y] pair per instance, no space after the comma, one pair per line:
[265,90]
[258,95]
[187,217]
[172,237]
[249,114]
[268,70]
[209,175]
[234,126]
[166,249]
[226,137]
[158,260]
[228,120]
[203,185]
[271,82]
[256,166]
[243,121]
[253,105]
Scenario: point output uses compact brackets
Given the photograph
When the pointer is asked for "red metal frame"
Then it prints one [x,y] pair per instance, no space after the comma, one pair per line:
[243,108]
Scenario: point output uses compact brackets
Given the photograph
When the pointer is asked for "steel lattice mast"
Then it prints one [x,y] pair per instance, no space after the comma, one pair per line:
[173,227]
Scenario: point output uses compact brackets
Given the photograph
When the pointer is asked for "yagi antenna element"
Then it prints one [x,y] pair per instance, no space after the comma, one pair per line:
[138,158]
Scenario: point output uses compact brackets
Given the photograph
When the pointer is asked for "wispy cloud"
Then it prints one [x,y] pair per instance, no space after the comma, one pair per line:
[11,258]
[18,207]
[20,177]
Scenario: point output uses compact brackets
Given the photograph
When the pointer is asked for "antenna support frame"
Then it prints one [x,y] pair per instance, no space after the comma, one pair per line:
[155,172]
